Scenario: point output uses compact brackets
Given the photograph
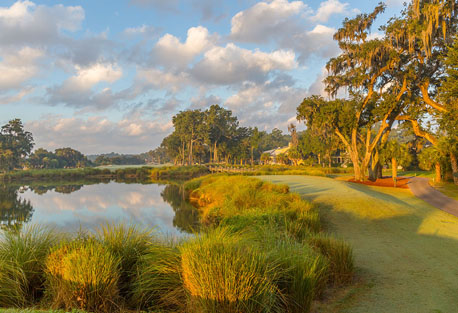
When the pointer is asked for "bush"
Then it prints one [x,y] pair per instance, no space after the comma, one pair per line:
[83,274]
[22,257]
[222,273]
[338,253]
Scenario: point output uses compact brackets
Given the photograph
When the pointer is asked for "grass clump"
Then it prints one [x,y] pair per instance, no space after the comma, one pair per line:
[22,260]
[158,283]
[302,273]
[339,255]
[222,273]
[128,244]
[83,274]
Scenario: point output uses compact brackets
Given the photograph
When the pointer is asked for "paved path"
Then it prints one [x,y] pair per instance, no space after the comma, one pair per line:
[420,188]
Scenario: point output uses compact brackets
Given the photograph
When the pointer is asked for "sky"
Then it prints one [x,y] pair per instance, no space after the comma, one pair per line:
[104,75]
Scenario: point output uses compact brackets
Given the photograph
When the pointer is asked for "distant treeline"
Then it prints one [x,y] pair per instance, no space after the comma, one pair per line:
[214,135]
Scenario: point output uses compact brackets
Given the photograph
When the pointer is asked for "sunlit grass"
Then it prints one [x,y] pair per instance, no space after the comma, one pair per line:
[417,248]
[448,189]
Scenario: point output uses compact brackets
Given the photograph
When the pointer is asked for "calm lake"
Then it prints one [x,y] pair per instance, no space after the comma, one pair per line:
[71,207]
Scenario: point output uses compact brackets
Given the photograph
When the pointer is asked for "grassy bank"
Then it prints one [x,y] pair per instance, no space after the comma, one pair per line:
[405,250]
[139,173]
[262,251]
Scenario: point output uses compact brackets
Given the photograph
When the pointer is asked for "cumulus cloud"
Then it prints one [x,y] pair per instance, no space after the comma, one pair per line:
[171,53]
[232,64]
[329,8]
[158,79]
[98,134]
[27,23]
[78,89]
[265,20]
[267,105]
[18,66]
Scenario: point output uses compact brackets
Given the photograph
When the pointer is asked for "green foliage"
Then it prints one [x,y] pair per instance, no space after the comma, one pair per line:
[428,157]
[15,145]
[395,150]
[61,158]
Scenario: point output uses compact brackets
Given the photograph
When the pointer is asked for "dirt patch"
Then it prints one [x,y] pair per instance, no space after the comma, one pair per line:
[385,182]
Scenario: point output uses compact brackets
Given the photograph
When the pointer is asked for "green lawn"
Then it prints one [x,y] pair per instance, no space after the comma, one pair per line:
[448,189]
[406,251]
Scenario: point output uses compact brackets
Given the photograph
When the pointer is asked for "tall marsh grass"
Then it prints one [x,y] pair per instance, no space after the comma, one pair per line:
[222,273]
[83,274]
[22,258]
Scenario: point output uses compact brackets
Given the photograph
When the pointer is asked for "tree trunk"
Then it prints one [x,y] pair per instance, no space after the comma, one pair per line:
[319,158]
[454,164]
[380,171]
[374,166]
[182,154]
[215,153]
[190,152]
[394,169]
[252,158]
[438,173]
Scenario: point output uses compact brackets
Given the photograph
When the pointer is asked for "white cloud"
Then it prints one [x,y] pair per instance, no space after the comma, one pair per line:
[329,8]
[171,53]
[265,20]
[232,64]
[163,80]
[88,77]
[27,23]
[18,66]
[78,90]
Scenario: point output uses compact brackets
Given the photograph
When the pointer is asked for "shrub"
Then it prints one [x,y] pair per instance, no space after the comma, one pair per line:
[23,254]
[158,284]
[83,274]
[338,253]
[222,273]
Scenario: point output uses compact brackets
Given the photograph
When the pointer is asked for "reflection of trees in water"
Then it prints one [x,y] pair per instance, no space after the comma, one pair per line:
[14,211]
[186,216]
[41,190]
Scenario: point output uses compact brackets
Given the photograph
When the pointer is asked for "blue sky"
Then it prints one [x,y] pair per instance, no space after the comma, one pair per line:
[104,76]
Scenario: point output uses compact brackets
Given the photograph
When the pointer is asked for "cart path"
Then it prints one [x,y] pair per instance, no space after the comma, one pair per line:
[420,188]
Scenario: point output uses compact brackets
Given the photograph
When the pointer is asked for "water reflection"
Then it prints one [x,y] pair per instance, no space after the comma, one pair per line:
[14,211]
[186,216]
[74,206]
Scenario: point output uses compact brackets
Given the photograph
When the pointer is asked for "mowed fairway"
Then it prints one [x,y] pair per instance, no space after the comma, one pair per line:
[406,251]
